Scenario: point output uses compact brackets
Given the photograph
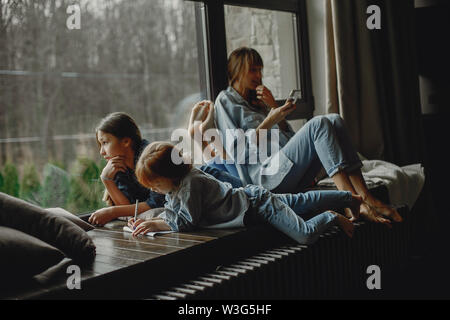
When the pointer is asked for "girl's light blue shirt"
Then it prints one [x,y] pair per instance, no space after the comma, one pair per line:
[203,201]
[234,112]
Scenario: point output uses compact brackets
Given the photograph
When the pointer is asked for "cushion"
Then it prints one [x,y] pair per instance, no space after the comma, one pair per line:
[57,231]
[70,216]
[24,255]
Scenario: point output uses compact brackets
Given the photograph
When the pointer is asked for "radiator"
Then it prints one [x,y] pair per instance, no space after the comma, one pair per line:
[335,266]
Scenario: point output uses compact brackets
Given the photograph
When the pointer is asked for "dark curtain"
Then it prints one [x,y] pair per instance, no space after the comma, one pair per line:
[372,78]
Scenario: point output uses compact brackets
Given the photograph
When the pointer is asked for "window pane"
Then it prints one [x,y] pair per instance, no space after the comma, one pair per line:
[272,34]
[137,56]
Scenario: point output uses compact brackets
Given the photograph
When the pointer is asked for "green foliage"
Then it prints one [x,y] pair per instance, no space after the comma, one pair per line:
[79,192]
[102,164]
[56,187]
[11,184]
[89,170]
[86,189]
[58,164]
[2,182]
[30,184]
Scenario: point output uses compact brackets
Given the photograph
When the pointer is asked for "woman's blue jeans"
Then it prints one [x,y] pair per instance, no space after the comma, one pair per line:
[322,141]
[285,212]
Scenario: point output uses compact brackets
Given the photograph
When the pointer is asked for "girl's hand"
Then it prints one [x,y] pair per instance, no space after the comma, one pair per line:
[279,114]
[265,95]
[101,216]
[133,224]
[142,227]
[114,165]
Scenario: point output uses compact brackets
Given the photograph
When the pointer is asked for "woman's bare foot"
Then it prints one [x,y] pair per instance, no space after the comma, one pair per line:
[344,224]
[383,209]
[372,215]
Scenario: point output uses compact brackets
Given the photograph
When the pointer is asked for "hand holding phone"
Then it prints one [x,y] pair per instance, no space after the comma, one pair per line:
[295,96]
[277,115]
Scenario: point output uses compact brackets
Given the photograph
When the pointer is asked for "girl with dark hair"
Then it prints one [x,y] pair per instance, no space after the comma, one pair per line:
[120,143]
[195,199]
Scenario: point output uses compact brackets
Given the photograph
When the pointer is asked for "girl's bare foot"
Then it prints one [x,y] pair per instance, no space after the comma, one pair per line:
[353,211]
[344,224]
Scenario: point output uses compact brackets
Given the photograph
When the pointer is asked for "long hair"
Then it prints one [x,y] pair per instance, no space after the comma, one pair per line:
[240,61]
[120,125]
[157,161]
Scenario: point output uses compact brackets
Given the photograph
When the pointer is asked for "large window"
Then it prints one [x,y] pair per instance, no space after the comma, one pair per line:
[150,58]
[56,83]
[272,34]
[277,29]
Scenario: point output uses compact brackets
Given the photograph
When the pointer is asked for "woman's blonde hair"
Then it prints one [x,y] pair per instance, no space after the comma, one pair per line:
[240,61]
[156,161]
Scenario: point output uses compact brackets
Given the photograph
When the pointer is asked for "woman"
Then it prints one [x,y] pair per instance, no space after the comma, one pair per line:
[120,143]
[323,141]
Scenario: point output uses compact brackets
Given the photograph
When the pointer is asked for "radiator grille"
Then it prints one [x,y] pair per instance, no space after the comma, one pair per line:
[334,266]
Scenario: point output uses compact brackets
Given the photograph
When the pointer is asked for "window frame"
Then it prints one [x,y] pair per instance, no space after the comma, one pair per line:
[213,51]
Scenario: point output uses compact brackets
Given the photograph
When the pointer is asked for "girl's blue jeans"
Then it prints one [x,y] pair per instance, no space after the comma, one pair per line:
[322,141]
[222,174]
[285,212]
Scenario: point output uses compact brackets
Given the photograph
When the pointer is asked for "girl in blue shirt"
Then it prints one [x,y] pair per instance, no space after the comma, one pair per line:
[120,143]
[195,199]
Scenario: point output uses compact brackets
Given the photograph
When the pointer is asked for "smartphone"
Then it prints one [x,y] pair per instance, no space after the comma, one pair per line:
[294,96]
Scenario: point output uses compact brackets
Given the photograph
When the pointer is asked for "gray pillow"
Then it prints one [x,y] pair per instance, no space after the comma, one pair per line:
[70,216]
[23,255]
[57,231]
